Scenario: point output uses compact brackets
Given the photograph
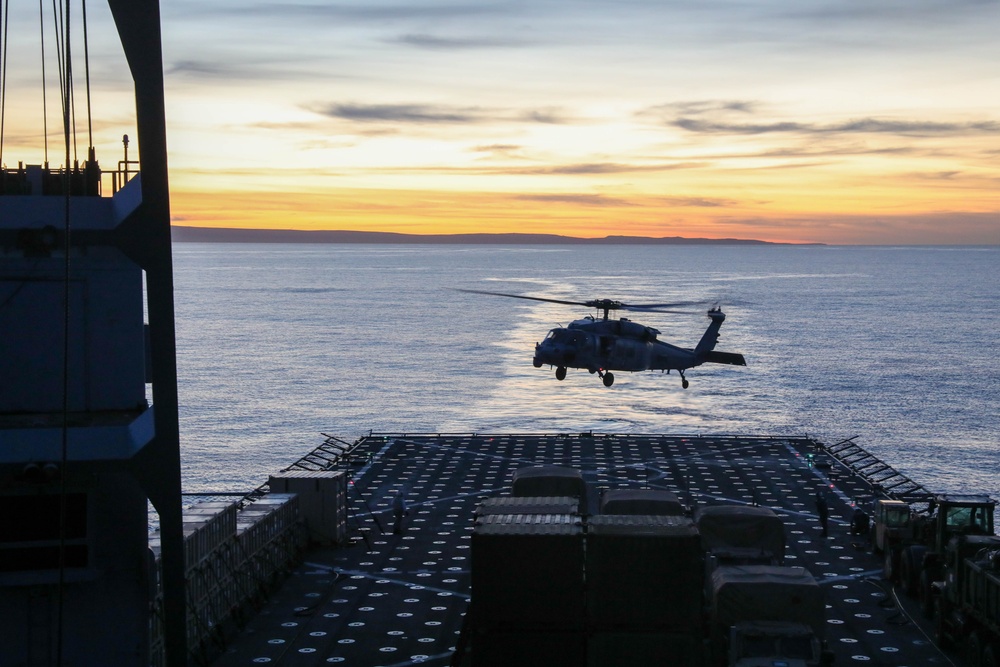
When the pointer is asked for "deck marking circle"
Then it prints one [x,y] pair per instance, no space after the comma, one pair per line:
[318,633]
[262,660]
[388,649]
[849,640]
[275,641]
[337,659]
[875,631]
[307,650]
[889,649]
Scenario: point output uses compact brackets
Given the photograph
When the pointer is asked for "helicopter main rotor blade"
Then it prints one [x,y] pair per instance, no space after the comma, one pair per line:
[600,304]
[522,296]
[610,304]
[660,307]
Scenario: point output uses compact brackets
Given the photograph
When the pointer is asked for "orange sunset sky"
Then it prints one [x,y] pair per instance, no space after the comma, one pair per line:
[874,122]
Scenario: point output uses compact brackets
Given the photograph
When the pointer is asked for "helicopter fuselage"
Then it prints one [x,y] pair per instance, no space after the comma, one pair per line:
[602,345]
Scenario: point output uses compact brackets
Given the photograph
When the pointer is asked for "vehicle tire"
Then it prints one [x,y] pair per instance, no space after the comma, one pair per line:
[972,656]
[906,573]
[910,567]
[942,611]
[561,373]
[990,653]
[926,595]
[609,379]
[889,569]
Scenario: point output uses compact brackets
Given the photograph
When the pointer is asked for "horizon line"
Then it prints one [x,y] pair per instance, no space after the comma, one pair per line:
[189,234]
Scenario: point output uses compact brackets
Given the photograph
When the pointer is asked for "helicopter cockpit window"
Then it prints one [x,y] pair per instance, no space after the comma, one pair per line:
[561,336]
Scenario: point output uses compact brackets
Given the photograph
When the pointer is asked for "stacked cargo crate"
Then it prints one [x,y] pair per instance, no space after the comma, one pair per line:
[644,587]
[232,560]
[527,583]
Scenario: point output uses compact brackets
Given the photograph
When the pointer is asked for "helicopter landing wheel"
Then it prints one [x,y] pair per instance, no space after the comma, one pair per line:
[561,373]
[609,379]
[684,384]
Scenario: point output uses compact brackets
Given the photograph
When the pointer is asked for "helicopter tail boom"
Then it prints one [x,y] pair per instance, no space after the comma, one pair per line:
[711,335]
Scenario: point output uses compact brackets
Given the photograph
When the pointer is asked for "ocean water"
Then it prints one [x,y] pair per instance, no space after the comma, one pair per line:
[280,343]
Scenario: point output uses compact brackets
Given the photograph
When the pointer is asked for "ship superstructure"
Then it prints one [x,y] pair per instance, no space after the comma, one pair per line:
[86,338]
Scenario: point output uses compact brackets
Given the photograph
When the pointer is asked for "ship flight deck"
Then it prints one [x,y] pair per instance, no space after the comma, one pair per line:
[400,599]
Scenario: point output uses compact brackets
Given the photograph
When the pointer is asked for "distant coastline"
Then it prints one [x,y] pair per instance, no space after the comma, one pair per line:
[183,234]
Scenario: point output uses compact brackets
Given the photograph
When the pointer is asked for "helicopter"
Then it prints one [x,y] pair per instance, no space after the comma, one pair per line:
[602,345]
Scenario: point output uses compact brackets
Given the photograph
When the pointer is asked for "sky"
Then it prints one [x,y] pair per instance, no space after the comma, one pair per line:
[842,122]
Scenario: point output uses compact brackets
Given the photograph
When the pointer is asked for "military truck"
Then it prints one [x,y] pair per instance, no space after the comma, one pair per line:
[890,532]
[917,558]
[967,599]
[740,535]
[765,615]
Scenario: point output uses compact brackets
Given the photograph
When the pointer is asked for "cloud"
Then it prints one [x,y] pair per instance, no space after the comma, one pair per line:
[308,12]
[201,69]
[584,168]
[855,126]
[698,202]
[434,43]
[427,114]
[224,70]
[580,199]
[497,148]
[403,113]
[728,117]
[698,107]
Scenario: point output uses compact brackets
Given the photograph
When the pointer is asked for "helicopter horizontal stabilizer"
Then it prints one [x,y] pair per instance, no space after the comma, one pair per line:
[731,358]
